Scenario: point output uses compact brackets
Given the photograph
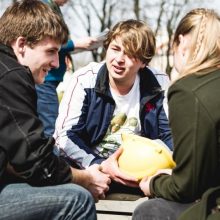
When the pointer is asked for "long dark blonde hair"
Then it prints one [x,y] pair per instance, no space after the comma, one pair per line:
[203,27]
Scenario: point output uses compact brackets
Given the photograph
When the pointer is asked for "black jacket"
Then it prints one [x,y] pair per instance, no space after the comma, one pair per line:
[22,141]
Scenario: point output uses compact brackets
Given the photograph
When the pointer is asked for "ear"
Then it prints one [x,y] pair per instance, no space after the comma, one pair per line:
[19,45]
[183,44]
[143,65]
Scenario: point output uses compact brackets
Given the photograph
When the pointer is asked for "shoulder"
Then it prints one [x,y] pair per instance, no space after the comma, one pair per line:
[90,69]
[162,78]
[202,86]
[88,73]
[10,68]
[197,81]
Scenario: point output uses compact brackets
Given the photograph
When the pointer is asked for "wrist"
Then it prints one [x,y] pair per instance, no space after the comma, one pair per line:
[81,177]
[104,167]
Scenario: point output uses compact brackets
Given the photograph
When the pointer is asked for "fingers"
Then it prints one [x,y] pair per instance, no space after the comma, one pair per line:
[125,177]
[144,179]
[109,180]
[117,153]
[99,193]
[102,196]
[127,183]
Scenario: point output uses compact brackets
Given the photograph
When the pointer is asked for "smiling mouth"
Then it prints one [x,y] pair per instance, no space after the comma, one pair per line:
[46,70]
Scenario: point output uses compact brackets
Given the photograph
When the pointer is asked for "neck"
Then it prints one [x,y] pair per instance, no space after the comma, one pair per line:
[121,88]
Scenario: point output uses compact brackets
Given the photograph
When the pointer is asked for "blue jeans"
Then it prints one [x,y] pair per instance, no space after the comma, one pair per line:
[68,201]
[159,209]
[47,105]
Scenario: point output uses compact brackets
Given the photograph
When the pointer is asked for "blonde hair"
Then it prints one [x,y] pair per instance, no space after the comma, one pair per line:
[203,27]
[137,39]
[33,20]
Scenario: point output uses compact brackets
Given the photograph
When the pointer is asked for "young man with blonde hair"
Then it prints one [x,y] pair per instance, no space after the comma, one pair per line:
[105,99]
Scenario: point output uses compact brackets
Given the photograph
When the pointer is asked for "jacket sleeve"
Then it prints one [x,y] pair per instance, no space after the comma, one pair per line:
[163,122]
[28,151]
[68,47]
[70,133]
[164,131]
[193,132]
[164,82]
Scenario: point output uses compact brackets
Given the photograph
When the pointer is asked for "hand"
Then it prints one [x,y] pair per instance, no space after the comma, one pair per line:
[99,182]
[110,166]
[93,180]
[85,43]
[145,185]
[145,182]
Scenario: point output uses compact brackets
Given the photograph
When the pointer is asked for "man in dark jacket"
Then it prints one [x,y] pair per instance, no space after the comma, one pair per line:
[34,183]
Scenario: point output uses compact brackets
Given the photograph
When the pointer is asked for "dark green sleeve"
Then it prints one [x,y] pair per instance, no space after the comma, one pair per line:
[193,133]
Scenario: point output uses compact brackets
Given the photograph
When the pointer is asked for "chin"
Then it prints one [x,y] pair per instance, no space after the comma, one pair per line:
[39,81]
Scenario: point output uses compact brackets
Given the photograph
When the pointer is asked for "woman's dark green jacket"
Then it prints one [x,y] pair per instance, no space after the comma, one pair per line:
[194,112]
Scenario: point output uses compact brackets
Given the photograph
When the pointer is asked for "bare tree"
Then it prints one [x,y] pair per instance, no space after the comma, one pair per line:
[172,18]
[162,16]
[90,12]
[137,9]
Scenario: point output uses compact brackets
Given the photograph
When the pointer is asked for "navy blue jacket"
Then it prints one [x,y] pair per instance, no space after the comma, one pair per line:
[87,110]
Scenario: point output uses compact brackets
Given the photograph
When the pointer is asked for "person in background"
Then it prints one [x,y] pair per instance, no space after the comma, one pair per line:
[194,119]
[104,100]
[67,76]
[34,182]
[48,104]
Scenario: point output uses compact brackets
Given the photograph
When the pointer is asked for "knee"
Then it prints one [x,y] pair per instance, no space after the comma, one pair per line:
[86,196]
[80,193]
[139,213]
[147,210]
[81,203]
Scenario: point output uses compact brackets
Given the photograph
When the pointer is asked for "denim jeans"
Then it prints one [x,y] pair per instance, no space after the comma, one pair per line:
[47,105]
[159,209]
[68,201]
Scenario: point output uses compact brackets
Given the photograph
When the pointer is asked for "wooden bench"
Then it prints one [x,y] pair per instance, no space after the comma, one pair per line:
[117,209]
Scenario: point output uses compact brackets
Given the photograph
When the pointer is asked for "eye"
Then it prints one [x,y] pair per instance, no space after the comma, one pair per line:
[113,47]
[52,51]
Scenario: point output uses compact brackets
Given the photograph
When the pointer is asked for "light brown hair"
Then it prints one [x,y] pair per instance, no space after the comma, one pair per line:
[203,27]
[33,20]
[137,39]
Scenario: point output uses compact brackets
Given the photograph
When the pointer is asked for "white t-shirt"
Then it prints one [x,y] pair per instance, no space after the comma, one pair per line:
[125,120]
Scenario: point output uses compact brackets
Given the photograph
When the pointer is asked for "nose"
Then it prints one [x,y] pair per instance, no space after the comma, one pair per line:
[120,57]
[55,62]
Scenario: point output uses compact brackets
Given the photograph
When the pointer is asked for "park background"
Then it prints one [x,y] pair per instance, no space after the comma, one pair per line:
[91,17]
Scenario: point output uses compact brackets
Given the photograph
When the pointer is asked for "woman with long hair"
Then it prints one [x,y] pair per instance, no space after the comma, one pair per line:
[194,114]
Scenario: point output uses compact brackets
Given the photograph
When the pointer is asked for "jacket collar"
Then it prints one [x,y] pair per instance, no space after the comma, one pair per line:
[148,82]
[102,82]
[7,50]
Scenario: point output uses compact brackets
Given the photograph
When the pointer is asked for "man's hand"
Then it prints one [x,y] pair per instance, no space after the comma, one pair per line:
[86,43]
[100,181]
[110,166]
[93,180]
